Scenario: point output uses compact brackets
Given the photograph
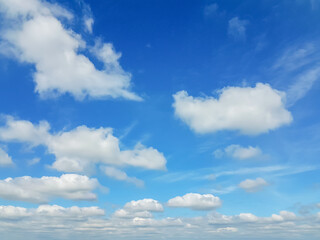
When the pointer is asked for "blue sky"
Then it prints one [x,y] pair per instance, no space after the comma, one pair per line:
[159,119]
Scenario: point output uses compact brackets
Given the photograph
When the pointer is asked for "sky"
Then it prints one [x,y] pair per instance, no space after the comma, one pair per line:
[155,119]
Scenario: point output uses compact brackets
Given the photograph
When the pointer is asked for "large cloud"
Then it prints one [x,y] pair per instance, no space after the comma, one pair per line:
[196,201]
[80,149]
[33,33]
[42,190]
[250,110]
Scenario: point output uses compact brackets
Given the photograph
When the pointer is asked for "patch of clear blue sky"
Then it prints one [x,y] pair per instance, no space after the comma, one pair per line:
[170,46]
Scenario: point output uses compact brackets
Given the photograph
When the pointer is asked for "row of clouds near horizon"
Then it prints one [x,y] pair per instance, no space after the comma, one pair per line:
[76,179]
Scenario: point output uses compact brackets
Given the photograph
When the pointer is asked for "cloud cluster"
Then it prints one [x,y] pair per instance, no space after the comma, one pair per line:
[196,201]
[89,222]
[34,33]
[42,190]
[250,110]
[80,149]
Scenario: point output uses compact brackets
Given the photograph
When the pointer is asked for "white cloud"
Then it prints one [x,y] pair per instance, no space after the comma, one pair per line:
[139,209]
[147,204]
[121,176]
[253,185]
[196,201]
[238,152]
[302,85]
[74,211]
[33,161]
[251,110]
[11,212]
[248,217]
[88,23]
[52,211]
[237,28]
[80,149]
[34,33]
[24,131]
[5,159]
[42,190]
[300,64]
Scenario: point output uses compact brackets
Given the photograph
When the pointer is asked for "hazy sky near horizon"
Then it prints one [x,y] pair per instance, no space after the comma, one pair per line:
[156,119]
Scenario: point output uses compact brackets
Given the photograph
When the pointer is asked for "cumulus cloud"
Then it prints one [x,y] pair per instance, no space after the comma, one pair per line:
[5,159]
[12,212]
[33,33]
[237,28]
[42,190]
[58,222]
[80,149]
[250,110]
[139,209]
[239,152]
[196,201]
[253,185]
[121,176]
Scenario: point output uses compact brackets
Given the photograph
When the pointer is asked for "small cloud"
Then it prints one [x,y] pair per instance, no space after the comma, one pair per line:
[210,9]
[237,28]
[33,161]
[88,23]
[196,201]
[253,185]
[238,152]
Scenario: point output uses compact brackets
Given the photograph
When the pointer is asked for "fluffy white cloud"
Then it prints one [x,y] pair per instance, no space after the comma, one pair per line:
[80,149]
[238,152]
[12,212]
[34,34]
[121,176]
[24,131]
[251,110]
[139,209]
[253,185]
[5,159]
[41,190]
[144,205]
[196,201]
[237,28]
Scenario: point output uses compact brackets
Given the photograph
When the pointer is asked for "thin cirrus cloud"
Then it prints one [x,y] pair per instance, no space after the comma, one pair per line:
[35,34]
[195,201]
[250,110]
[253,185]
[238,152]
[237,28]
[80,149]
[42,190]
[301,64]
